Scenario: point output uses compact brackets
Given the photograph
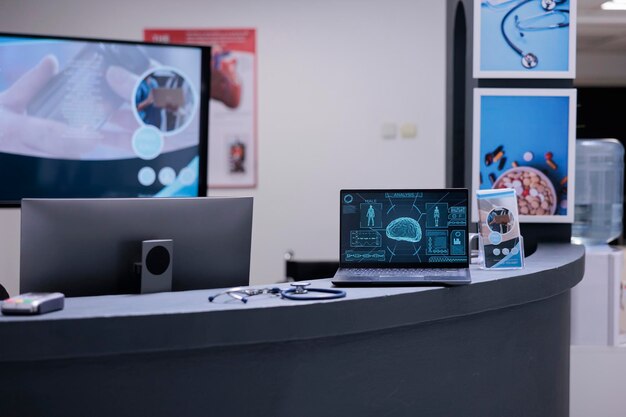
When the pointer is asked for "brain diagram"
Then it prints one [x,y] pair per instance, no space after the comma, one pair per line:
[404,229]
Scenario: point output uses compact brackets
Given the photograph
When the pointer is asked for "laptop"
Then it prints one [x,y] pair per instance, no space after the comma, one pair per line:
[403,237]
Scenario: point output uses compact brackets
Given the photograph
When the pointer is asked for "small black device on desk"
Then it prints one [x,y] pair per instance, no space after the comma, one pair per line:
[33,303]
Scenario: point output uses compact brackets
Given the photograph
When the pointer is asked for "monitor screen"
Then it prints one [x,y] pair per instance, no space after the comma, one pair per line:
[98,118]
[404,228]
[90,246]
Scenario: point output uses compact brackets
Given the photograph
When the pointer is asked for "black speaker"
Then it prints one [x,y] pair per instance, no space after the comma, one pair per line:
[157,259]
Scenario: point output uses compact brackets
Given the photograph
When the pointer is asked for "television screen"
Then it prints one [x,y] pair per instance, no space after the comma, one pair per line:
[100,118]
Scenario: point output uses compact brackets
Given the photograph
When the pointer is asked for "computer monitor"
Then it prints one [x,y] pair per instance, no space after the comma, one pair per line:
[86,247]
[86,118]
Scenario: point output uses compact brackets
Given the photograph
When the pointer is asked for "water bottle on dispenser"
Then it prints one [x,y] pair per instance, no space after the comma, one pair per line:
[599,192]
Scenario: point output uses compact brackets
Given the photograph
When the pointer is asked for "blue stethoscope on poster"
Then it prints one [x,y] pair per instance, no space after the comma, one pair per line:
[544,20]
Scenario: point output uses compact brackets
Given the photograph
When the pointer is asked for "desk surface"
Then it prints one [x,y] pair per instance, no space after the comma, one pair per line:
[109,325]
[498,347]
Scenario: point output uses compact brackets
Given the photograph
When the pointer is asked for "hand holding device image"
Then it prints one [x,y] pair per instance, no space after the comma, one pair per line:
[21,133]
[27,134]
[67,111]
[71,122]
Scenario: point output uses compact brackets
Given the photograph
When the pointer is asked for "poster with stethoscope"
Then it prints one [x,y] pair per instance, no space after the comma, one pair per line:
[524,38]
[525,139]
[232,144]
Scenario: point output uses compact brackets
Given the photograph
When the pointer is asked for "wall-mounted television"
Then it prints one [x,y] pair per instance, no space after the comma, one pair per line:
[87,118]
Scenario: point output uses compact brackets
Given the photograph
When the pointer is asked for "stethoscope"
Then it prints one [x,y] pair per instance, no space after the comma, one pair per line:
[299,292]
[529,59]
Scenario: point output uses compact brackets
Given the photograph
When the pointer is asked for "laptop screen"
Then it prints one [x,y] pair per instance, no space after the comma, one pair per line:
[404,228]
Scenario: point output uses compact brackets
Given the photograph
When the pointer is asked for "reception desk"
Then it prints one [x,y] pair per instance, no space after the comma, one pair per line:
[497,347]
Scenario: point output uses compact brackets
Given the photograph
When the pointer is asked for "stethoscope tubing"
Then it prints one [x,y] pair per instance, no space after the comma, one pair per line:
[561,12]
[515,8]
[503,23]
[299,293]
[291,294]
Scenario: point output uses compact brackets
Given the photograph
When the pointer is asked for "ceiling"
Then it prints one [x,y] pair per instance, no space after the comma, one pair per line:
[600,30]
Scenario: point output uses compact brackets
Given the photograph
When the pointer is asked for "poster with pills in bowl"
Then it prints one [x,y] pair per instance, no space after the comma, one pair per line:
[524,139]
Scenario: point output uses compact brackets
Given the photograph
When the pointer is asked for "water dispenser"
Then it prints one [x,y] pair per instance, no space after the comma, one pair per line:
[599,191]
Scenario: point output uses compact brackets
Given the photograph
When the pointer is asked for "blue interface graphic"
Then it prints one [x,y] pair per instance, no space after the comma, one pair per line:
[426,226]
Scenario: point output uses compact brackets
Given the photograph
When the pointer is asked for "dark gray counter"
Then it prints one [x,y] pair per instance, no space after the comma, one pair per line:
[499,346]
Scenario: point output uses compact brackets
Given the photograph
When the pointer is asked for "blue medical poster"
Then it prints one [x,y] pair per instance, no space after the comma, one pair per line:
[524,140]
[524,38]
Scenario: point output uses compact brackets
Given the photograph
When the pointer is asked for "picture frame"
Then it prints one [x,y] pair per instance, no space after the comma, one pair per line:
[232,153]
[525,138]
[500,243]
[524,39]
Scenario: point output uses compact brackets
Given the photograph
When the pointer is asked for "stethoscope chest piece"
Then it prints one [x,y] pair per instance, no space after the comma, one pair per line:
[548,4]
[529,60]
[300,287]
[300,292]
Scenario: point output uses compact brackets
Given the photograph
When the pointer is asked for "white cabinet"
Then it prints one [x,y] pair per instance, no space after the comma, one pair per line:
[598,365]
[596,301]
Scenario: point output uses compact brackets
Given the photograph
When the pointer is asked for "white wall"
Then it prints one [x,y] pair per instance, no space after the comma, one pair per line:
[10,249]
[330,74]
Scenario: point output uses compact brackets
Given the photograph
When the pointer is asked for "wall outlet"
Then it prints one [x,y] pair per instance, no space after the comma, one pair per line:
[389,131]
[408,130]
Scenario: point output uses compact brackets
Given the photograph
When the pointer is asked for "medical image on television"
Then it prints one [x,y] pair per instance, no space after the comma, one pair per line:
[164,99]
[411,227]
[90,118]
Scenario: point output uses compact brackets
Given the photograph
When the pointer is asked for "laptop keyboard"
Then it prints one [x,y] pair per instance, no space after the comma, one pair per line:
[400,272]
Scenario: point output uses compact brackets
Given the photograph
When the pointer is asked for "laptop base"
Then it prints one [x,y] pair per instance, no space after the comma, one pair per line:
[364,284]
[346,280]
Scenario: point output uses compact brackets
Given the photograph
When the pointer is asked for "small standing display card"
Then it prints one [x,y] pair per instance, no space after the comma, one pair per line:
[501,243]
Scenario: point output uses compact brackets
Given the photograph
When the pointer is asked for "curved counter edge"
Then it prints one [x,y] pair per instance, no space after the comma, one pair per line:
[552,270]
